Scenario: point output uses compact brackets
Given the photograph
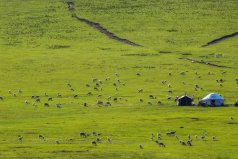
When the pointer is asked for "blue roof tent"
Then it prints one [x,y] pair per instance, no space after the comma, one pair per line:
[212,99]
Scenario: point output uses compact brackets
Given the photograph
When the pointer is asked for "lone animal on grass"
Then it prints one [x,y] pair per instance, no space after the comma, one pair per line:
[85,104]
[182,143]
[20,138]
[37,99]
[89,93]
[99,140]
[94,143]
[83,134]
[46,105]
[1,98]
[109,140]
[140,146]
[41,137]
[140,90]
[75,96]
[99,102]
[189,143]
[141,100]
[26,101]
[171,133]
[149,103]
[58,105]
[213,138]
[50,99]
[108,104]
[20,91]
[59,95]
[161,144]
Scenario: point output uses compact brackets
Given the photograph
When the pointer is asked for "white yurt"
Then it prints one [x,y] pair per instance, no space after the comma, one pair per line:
[212,99]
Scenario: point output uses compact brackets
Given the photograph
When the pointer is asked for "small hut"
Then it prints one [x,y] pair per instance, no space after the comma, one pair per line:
[185,101]
[212,99]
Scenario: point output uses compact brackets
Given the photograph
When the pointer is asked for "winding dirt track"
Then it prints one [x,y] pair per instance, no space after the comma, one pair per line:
[99,27]
[220,39]
[203,62]
[105,31]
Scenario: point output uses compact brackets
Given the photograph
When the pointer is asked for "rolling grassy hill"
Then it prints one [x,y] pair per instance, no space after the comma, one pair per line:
[44,49]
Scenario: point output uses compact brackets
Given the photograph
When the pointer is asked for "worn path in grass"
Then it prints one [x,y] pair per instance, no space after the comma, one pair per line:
[100,28]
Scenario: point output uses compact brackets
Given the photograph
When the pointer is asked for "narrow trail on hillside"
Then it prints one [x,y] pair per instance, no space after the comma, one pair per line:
[220,39]
[203,62]
[99,27]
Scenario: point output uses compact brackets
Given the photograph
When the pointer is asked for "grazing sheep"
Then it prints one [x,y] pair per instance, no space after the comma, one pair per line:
[14,95]
[182,143]
[164,82]
[161,144]
[69,85]
[109,98]
[46,95]
[170,74]
[87,85]
[59,95]
[83,134]
[158,136]
[20,91]
[58,105]
[189,143]
[140,90]
[203,137]
[213,138]
[94,133]
[170,91]
[46,105]
[189,137]
[99,102]
[95,88]
[108,104]
[141,100]
[109,140]
[37,99]
[76,96]
[94,79]
[99,140]
[85,104]
[57,142]
[26,101]
[89,93]
[171,133]
[152,97]
[1,98]
[50,99]
[94,143]
[159,102]
[72,89]
[41,137]
[140,146]
[152,136]
[169,97]
[108,79]
[196,137]
[149,103]
[10,92]
[169,85]
[115,99]
[138,74]
[116,74]
[20,138]
[182,73]
[99,95]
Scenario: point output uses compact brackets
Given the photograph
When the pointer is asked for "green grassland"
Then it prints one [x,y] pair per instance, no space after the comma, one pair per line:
[43,48]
